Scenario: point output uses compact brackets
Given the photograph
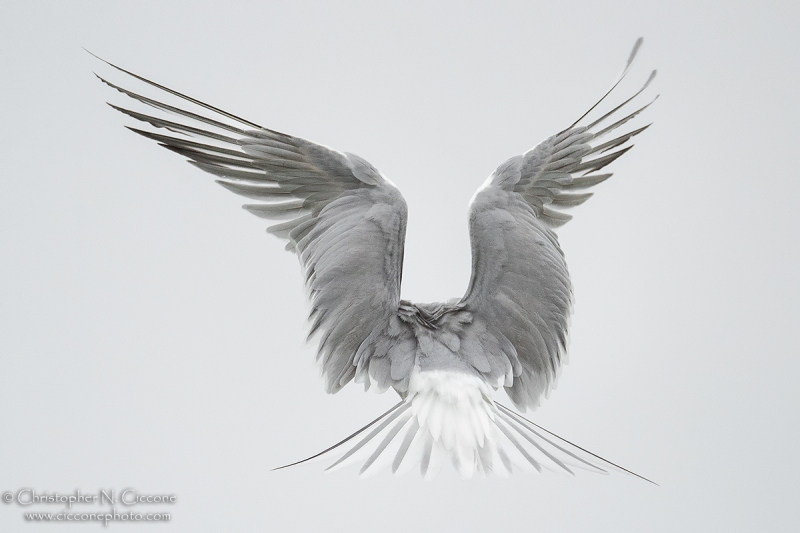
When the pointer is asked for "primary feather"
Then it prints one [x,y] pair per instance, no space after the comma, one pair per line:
[346,223]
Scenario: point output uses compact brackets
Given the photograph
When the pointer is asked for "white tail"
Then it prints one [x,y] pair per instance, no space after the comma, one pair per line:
[448,415]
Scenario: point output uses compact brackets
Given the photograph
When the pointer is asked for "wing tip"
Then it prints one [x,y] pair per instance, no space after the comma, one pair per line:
[636,46]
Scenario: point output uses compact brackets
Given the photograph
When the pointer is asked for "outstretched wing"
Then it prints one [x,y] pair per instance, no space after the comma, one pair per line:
[520,292]
[344,220]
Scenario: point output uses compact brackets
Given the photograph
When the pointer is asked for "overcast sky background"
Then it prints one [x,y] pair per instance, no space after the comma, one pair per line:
[151,331]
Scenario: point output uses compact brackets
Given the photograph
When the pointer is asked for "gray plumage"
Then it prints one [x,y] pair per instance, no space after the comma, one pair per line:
[346,223]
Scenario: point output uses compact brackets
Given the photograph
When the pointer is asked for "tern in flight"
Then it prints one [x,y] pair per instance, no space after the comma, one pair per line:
[346,223]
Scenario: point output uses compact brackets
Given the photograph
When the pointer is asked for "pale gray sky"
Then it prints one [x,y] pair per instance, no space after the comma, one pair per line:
[151,332]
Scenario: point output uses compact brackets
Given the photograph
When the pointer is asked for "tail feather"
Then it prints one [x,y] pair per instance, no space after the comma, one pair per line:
[425,463]
[379,451]
[505,461]
[590,461]
[405,445]
[377,430]
[434,424]
[526,435]
[335,447]
[521,449]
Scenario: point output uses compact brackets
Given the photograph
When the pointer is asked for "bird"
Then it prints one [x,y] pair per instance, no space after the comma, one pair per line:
[346,223]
